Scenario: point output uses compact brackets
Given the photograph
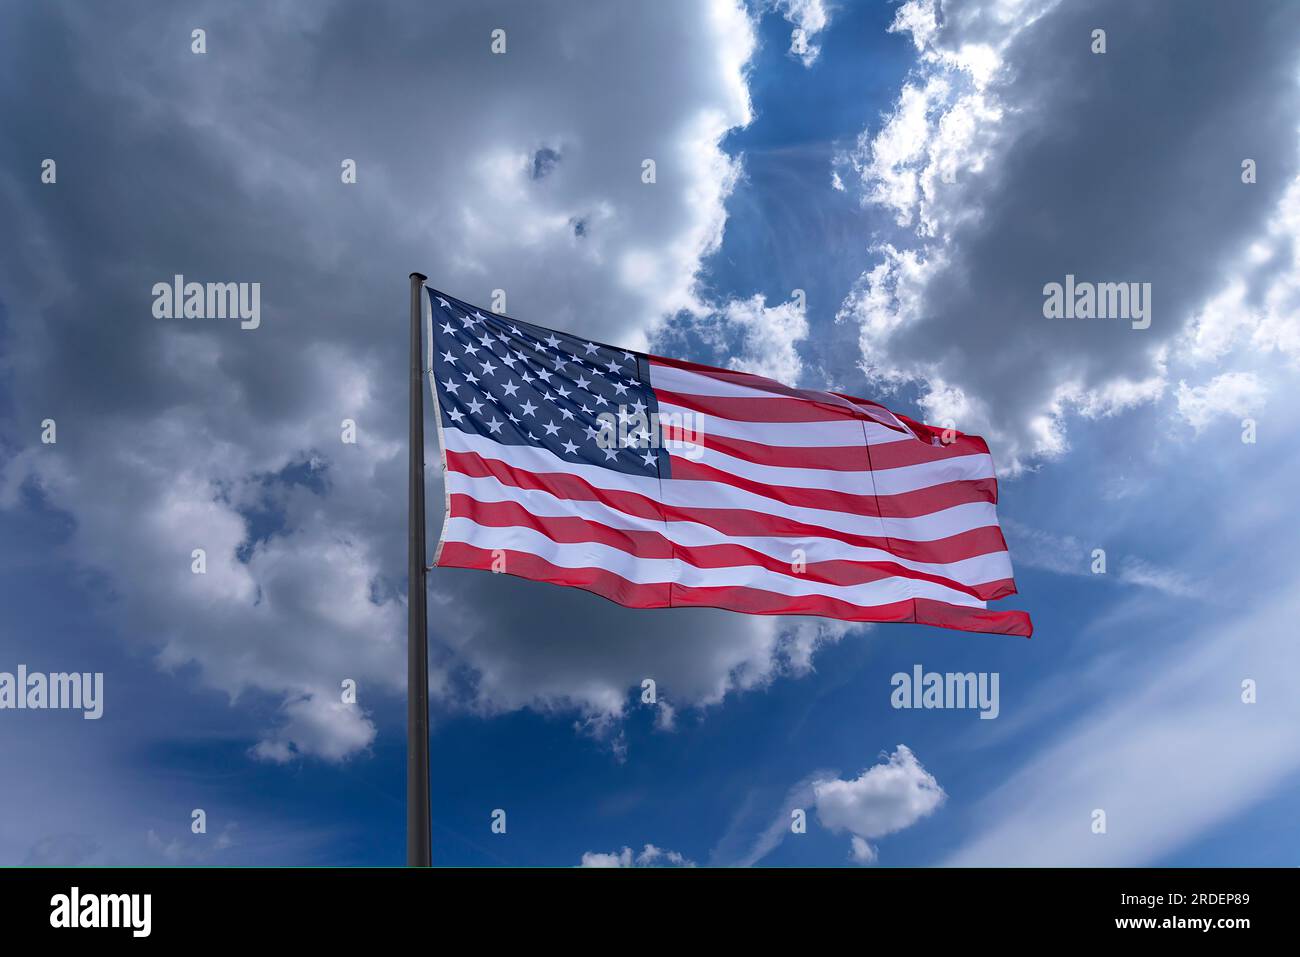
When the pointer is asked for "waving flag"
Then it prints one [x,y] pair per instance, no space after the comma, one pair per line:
[660,483]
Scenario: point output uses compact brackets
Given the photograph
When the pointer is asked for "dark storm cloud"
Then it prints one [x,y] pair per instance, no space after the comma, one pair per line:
[226,167]
[1123,166]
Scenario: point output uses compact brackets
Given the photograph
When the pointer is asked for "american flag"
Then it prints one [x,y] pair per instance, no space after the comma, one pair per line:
[660,483]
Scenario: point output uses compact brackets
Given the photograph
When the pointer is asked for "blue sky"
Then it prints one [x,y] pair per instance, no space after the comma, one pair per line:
[224,165]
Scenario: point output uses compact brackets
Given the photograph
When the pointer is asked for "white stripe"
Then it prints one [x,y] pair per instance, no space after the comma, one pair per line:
[646,571]
[689,493]
[994,566]
[685,381]
[783,434]
[904,478]
[673,379]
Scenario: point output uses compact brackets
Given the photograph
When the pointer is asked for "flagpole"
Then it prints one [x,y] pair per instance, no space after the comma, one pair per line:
[418,848]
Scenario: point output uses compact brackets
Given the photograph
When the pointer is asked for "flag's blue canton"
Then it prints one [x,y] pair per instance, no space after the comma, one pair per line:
[521,384]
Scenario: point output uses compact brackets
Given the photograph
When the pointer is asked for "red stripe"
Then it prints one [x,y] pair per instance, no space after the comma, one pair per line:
[730,521]
[922,501]
[760,383]
[752,601]
[838,458]
[646,544]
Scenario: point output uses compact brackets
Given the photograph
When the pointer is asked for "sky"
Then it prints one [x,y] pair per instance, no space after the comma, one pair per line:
[875,206]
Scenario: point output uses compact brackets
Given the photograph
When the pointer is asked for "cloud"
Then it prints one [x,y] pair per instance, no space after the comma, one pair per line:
[1067,555]
[737,849]
[1257,309]
[768,337]
[650,856]
[1152,726]
[1234,394]
[810,18]
[62,850]
[882,800]
[1166,751]
[1014,156]
[193,434]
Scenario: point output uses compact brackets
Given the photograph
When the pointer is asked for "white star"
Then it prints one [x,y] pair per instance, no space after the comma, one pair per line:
[456,415]
[553,342]
[444,303]
[591,433]
[510,388]
[512,418]
[610,453]
[494,425]
[562,392]
[551,428]
[451,386]
[501,337]
[638,406]
[570,447]
[515,330]
[488,367]
[474,406]
[471,377]
[648,458]
[586,410]
[566,413]
[582,383]
[446,327]
[486,341]
[548,397]
[509,360]
[528,408]
[590,349]
[471,349]
[613,366]
[469,323]
[525,376]
[448,357]
[560,362]
[629,357]
[479,316]
[620,387]
[600,400]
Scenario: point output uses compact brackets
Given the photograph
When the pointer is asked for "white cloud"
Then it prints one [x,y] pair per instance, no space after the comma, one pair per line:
[650,856]
[998,167]
[1258,306]
[1166,750]
[737,848]
[1151,726]
[769,335]
[882,800]
[810,18]
[1067,555]
[1234,394]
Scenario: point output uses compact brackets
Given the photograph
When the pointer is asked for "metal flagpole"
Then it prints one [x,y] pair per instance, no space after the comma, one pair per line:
[419,851]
